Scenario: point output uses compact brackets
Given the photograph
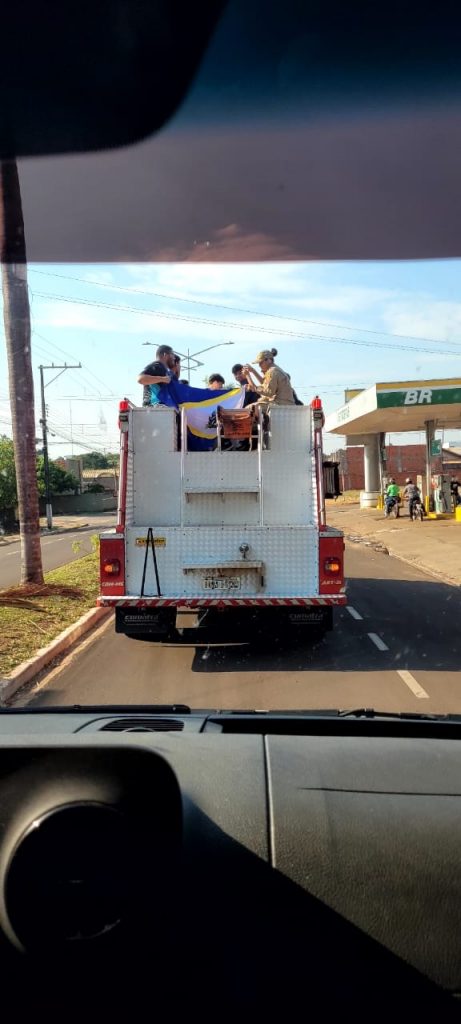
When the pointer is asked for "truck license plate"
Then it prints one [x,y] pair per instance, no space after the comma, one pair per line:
[221,583]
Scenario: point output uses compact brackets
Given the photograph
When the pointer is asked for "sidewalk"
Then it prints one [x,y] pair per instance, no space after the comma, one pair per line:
[433,545]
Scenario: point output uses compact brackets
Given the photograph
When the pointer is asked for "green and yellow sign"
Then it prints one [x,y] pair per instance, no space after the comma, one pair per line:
[419,395]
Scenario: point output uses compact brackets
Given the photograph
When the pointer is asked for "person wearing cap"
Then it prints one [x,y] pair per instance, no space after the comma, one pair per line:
[272,384]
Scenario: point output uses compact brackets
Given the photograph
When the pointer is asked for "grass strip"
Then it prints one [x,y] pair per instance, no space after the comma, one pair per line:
[32,616]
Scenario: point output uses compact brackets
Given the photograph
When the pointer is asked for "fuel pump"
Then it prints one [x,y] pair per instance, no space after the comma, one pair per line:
[441,492]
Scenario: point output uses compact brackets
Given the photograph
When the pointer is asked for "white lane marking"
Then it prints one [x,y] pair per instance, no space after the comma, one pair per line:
[353,611]
[7,554]
[378,642]
[412,683]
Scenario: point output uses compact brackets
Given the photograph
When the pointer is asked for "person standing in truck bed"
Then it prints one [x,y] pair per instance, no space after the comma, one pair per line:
[157,373]
[239,374]
[272,384]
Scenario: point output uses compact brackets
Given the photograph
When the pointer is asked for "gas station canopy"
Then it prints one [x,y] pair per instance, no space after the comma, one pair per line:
[399,406]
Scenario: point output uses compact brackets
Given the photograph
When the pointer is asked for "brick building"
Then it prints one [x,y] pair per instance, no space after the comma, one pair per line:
[402,461]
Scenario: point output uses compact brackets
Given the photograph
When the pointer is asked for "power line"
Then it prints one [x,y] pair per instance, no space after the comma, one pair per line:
[63,352]
[81,444]
[230,325]
[233,309]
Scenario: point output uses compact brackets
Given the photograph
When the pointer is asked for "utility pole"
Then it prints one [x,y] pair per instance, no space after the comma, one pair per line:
[43,423]
[16,317]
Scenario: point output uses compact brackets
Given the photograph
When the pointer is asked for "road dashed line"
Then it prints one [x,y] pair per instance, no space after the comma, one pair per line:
[412,684]
[403,673]
[378,642]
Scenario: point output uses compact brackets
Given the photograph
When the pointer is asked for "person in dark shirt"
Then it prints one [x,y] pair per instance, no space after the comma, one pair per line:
[250,396]
[177,367]
[157,373]
[454,488]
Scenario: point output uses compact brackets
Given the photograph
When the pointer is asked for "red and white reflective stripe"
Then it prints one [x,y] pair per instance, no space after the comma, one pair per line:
[221,602]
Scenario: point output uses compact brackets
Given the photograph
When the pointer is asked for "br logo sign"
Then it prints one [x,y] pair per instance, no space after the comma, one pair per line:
[418,396]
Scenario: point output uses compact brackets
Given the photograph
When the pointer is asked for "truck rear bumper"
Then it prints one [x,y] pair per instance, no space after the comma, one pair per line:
[128,601]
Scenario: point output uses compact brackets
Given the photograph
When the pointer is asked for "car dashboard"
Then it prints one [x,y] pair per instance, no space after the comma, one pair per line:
[228,864]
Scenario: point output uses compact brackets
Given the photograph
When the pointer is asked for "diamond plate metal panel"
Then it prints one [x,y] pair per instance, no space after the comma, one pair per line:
[154,430]
[221,488]
[156,494]
[291,428]
[157,490]
[222,510]
[288,498]
[215,469]
[289,555]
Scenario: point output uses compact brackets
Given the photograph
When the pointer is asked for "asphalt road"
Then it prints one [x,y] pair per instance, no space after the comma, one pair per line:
[396,648]
[56,549]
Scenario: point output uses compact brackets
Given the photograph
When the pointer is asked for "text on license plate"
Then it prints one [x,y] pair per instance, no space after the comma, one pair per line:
[221,583]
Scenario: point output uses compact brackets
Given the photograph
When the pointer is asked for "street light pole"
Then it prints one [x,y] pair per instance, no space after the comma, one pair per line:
[190,356]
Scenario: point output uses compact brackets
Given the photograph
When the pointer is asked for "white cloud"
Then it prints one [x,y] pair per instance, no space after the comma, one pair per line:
[100,277]
[424,317]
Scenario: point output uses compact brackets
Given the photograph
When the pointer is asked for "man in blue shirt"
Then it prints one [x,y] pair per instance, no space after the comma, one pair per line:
[155,374]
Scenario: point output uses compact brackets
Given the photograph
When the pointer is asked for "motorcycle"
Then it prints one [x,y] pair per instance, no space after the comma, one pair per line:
[417,510]
[392,507]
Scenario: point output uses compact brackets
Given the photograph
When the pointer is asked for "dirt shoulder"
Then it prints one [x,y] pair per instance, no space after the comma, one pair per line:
[433,545]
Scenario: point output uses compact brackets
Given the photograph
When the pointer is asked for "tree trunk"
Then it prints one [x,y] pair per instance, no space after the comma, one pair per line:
[16,316]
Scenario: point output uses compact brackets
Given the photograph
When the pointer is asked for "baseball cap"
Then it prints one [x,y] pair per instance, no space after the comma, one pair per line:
[266,353]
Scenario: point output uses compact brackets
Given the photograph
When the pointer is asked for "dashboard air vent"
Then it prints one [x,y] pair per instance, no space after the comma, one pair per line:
[143,725]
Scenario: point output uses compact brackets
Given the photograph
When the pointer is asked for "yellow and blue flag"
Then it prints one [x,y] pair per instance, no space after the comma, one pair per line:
[200,405]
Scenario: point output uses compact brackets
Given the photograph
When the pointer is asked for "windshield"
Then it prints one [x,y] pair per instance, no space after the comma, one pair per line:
[378,343]
[230,399]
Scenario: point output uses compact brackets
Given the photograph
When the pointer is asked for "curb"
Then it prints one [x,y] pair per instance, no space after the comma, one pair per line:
[23,674]
[382,549]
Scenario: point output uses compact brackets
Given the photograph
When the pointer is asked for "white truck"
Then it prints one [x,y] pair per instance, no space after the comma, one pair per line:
[239,536]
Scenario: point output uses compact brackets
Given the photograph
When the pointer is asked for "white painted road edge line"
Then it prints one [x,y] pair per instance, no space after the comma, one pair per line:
[378,642]
[353,611]
[412,683]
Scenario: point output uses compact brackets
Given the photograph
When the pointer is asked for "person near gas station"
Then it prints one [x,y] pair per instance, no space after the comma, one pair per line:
[454,488]
[392,494]
[411,494]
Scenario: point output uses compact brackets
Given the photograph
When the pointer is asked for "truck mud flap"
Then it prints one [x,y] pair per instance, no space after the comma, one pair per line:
[145,621]
[320,617]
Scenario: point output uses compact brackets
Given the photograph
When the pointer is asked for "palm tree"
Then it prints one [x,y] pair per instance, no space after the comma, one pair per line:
[16,316]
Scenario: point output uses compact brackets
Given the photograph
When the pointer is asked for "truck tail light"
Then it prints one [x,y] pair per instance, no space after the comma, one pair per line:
[111,566]
[332,565]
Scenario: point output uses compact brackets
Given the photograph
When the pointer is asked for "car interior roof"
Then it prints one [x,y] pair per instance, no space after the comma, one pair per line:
[240,131]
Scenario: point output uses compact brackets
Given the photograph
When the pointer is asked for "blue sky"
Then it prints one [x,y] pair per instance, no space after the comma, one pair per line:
[335,325]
